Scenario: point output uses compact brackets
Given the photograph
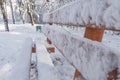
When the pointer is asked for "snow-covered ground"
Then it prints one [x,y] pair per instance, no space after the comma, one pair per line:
[54,66]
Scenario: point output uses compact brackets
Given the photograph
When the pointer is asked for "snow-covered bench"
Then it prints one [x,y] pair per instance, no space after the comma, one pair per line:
[15,55]
[82,13]
[95,16]
[46,70]
[93,60]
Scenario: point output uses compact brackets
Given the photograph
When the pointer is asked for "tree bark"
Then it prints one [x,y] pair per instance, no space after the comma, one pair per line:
[11,5]
[30,13]
[4,15]
[20,12]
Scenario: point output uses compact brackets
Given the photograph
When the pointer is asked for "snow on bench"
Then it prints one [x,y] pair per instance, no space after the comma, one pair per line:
[83,12]
[92,59]
[46,70]
[15,55]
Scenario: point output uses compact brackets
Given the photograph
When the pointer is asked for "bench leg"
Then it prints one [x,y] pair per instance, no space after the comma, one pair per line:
[78,76]
[34,49]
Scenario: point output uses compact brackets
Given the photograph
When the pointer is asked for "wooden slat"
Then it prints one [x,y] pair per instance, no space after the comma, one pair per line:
[81,25]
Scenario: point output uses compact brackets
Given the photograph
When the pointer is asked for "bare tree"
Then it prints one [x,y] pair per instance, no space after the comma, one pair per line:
[4,15]
[21,10]
[11,5]
[29,11]
[58,3]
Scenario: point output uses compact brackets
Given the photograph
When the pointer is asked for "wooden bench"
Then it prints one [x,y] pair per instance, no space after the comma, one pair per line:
[87,56]
[77,14]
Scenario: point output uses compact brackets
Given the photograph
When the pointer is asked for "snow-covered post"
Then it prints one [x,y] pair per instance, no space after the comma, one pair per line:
[93,32]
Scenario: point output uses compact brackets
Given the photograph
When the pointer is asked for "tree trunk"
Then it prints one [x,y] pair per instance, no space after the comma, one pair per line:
[20,12]
[30,13]
[21,16]
[4,15]
[31,18]
[12,12]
